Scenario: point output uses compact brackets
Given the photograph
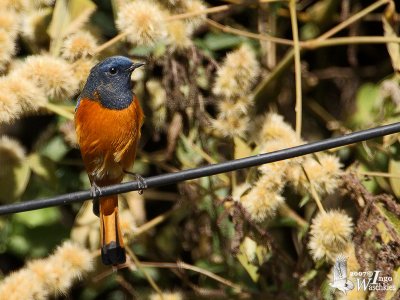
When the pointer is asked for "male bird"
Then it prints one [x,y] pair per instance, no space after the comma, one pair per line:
[108,119]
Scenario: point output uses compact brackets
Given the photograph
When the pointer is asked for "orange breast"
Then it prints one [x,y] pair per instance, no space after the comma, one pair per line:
[108,139]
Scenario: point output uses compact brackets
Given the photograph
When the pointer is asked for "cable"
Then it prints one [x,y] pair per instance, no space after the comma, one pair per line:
[228,166]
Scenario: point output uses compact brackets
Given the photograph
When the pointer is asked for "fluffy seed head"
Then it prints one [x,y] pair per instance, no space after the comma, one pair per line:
[47,277]
[81,69]
[30,96]
[275,173]
[232,125]
[167,296]
[178,35]
[143,21]
[59,279]
[7,48]
[190,6]
[76,259]
[262,201]
[330,234]
[275,128]
[237,74]
[239,106]
[79,44]
[10,107]
[323,174]
[54,75]
[22,285]
[9,21]
[58,272]
[18,5]
[39,268]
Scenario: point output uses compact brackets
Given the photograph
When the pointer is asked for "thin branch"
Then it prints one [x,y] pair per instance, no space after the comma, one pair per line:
[107,44]
[276,72]
[152,223]
[208,170]
[286,211]
[140,267]
[378,174]
[316,43]
[183,265]
[297,67]
[59,110]
[317,199]
[257,36]
[352,19]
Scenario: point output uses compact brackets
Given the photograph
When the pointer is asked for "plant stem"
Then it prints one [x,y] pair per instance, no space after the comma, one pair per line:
[59,110]
[140,267]
[107,44]
[153,222]
[257,36]
[297,67]
[317,199]
[276,72]
[352,19]
[286,211]
[183,265]
[316,43]
[378,174]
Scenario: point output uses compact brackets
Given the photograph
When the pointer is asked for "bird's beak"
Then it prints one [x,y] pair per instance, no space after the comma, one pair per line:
[135,66]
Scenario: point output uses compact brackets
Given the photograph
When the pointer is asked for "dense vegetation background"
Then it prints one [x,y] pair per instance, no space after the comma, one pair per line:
[223,80]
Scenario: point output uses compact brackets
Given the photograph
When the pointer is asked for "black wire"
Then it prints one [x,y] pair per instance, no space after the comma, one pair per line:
[208,170]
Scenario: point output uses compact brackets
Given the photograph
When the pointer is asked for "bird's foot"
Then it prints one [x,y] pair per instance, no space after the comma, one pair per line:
[95,193]
[142,184]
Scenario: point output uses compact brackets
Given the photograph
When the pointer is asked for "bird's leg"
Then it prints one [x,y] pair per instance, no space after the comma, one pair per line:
[95,193]
[141,181]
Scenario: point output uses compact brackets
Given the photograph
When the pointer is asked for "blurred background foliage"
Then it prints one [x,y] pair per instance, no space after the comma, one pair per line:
[219,84]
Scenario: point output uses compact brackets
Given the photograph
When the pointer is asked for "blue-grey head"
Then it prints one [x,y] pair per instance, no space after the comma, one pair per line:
[109,82]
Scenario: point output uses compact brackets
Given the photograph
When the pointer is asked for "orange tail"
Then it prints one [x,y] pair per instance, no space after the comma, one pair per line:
[112,245]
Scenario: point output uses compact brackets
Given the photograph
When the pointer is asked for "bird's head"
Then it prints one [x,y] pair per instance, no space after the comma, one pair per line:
[110,82]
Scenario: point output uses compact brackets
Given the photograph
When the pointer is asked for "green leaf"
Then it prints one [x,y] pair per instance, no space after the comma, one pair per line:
[41,166]
[45,216]
[367,101]
[384,232]
[222,41]
[304,200]
[391,219]
[251,269]
[251,256]
[307,277]
[13,181]
[394,169]
[55,149]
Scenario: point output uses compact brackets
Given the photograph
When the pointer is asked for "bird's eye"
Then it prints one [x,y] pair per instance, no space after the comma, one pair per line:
[113,71]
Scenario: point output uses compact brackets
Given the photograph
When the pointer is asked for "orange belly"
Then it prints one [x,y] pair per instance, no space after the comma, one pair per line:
[108,139]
